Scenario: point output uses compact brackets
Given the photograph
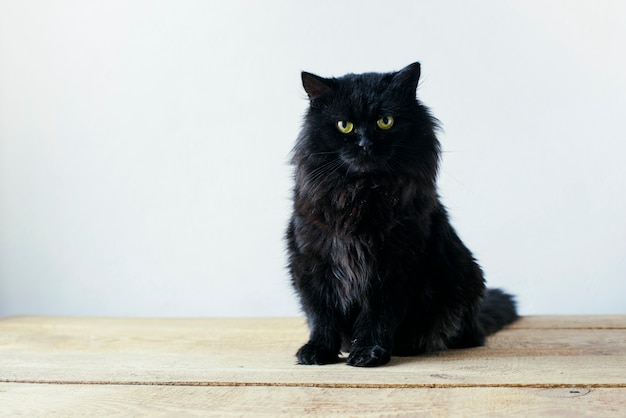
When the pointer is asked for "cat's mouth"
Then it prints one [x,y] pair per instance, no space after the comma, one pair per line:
[362,164]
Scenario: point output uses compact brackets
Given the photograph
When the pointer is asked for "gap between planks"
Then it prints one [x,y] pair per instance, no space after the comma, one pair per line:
[324,385]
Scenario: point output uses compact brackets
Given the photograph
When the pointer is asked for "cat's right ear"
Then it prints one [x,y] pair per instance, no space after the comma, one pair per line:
[315,86]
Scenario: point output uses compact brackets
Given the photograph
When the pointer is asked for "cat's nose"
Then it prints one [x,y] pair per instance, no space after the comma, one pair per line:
[365,143]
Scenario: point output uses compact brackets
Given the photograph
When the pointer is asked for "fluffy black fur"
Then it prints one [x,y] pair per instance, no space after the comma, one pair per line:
[377,266]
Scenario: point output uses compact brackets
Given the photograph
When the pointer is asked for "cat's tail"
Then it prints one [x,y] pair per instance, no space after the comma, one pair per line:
[497,310]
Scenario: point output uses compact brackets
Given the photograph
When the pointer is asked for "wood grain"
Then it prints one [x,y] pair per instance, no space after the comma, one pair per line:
[244,366]
[106,400]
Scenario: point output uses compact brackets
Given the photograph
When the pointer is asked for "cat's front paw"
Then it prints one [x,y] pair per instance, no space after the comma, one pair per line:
[369,356]
[311,353]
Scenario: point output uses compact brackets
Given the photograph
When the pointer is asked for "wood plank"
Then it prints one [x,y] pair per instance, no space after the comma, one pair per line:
[261,352]
[100,400]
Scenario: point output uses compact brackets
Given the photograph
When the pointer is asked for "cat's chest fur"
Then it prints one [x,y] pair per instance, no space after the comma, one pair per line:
[363,209]
[360,211]
[351,229]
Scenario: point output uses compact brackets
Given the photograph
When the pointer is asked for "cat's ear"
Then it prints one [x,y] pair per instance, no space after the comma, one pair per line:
[315,86]
[409,76]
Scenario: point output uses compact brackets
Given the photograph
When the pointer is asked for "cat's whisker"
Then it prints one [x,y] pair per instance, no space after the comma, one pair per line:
[313,154]
[325,169]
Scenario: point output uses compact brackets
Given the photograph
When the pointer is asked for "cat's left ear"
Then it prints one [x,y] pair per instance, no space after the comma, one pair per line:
[409,76]
[315,86]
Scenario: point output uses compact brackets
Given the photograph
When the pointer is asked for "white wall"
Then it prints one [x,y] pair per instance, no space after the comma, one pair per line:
[144,145]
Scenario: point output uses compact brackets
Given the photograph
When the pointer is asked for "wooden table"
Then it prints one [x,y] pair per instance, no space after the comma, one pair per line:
[540,366]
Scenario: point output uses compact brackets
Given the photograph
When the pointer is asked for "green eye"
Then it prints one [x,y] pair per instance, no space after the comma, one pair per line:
[345,127]
[385,122]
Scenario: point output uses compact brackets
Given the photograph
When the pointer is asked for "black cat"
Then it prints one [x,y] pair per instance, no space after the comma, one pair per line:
[377,266]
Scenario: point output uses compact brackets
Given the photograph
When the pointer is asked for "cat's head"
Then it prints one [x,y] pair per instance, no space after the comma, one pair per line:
[363,124]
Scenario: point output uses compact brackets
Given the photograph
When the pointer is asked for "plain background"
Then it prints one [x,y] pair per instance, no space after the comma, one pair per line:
[144,145]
